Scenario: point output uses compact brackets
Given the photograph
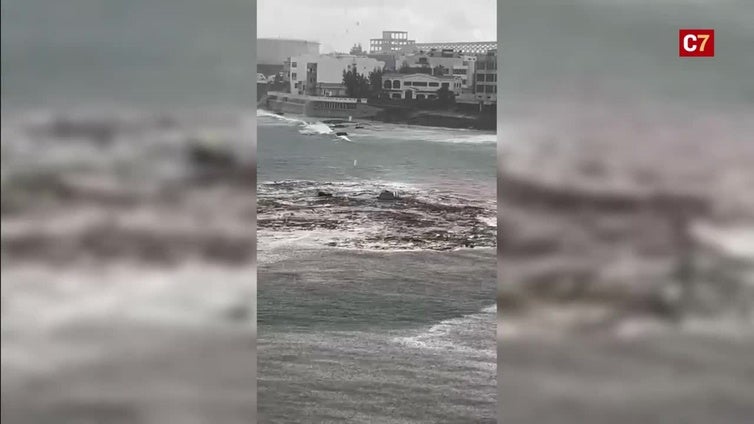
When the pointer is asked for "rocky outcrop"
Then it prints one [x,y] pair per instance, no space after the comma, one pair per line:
[388,195]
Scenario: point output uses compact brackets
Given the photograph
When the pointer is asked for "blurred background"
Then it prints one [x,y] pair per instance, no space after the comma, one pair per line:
[128,275]
[626,214]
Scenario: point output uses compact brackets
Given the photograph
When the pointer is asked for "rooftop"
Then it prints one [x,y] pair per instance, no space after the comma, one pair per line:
[419,74]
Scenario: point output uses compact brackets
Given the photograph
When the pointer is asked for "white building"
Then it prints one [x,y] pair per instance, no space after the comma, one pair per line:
[320,74]
[418,86]
[457,65]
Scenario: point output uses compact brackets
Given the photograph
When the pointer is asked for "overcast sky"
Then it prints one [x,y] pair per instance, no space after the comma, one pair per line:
[339,24]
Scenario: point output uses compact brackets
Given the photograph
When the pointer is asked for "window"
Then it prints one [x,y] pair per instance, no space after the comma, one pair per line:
[459,72]
[396,95]
[396,84]
[387,84]
[420,84]
[420,97]
[479,88]
[434,84]
[407,83]
[293,76]
[446,85]
[293,64]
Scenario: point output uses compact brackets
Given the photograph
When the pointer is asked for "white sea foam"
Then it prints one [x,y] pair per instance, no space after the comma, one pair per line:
[439,135]
[315,128]
[464,334]
[282,118]
[488,220]
[192,294]
[735,242]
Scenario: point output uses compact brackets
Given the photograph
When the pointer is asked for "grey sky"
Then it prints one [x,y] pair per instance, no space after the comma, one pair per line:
[339,24]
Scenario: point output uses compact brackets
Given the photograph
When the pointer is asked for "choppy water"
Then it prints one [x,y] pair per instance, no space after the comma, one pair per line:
[112,245]
[375,310]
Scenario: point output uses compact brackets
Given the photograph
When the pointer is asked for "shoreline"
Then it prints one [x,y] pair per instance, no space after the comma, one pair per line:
[420,119]
[443,118]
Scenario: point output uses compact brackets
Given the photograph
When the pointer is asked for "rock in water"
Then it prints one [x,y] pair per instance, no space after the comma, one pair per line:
[323,194]
[388,195]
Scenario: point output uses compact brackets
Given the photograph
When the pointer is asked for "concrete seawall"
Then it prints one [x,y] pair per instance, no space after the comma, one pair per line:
[483,121]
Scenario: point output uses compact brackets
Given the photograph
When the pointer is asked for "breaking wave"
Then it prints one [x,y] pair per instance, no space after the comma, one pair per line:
[469,334]
[315,128]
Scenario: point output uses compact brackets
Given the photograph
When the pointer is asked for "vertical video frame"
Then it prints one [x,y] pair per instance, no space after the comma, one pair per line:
[376,213]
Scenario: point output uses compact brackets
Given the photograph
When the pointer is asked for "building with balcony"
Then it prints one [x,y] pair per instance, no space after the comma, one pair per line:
[456,65]
[417,86]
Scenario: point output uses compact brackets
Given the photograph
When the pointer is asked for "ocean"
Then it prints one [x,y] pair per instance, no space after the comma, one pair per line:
[375,310]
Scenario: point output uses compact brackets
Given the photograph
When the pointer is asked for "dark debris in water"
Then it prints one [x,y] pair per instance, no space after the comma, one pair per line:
[365,220]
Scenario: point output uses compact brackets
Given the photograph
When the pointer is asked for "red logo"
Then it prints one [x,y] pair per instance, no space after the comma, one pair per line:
[696,43]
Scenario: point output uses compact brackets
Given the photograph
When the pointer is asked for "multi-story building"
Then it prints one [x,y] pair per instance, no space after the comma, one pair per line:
[322,75]
[454,64]
[485,78]
[417,86]
[474,62]
[391,41]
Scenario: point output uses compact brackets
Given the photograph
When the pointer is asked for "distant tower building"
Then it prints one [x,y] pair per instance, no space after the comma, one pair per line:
[391,41]
[310,86]
[485,78]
